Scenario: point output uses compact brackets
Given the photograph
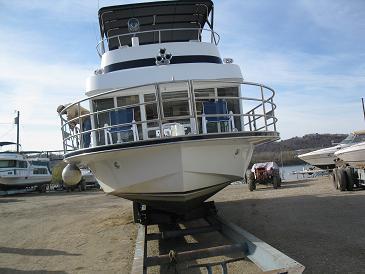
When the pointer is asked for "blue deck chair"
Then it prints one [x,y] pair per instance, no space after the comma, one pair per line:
[120,117]
[216,108]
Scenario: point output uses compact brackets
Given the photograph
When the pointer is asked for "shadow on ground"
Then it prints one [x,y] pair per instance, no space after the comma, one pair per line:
[35,252]
[6,200]
[16,271]
[324,233]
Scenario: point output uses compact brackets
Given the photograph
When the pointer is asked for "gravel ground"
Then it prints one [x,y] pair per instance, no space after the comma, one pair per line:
[86,232]
[91,232]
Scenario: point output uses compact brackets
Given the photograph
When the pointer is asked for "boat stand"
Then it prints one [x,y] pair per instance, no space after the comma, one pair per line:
[243,245]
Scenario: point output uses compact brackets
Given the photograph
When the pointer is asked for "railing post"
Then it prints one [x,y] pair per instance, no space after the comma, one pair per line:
[81,128]
[193,102]
[273,113]
[120,44]
[63,134]
[254,119]
[159,36]
[263,106]
[159,108]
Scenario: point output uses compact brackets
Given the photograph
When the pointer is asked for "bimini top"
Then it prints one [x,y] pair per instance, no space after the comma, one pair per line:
[151,16]
[6,143]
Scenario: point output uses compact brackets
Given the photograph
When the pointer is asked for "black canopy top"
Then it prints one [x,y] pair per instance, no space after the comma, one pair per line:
[159,15]
[6,143]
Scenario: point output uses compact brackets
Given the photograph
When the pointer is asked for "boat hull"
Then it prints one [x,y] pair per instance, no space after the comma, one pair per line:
[20,182]
[322,158]
[174,176]
[353,155]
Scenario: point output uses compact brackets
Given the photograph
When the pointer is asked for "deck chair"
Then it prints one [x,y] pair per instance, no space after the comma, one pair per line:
[120,117]
[216,108]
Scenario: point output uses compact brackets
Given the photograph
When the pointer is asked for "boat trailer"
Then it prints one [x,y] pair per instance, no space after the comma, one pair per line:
[242,244]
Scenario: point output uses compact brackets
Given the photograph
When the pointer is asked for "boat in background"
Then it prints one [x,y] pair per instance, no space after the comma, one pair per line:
[325,158]
[171,121]
[18,172]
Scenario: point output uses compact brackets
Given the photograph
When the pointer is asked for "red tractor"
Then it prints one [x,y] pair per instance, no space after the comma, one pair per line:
[264,173]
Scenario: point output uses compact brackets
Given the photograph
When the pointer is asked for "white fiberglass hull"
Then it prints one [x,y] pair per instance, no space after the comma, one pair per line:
[322,158]
[353,155]
[171,176]
[17,182]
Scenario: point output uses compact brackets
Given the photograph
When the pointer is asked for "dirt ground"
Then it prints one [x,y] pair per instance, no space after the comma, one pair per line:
[91,232]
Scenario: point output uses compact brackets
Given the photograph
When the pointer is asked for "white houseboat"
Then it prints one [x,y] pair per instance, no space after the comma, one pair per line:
[171,121]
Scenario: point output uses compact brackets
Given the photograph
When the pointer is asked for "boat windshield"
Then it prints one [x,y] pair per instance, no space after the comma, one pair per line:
[353,139]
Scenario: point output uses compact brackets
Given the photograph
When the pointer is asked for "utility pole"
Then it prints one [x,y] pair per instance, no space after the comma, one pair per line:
[16,121]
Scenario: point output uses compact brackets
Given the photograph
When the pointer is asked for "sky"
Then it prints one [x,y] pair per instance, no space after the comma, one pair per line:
[311,52]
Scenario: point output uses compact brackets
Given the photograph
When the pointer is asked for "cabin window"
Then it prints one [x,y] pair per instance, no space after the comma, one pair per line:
[22,164]
[200,94]
[40,171]
[232,104]
[151,108]
[130,100]
[151,114]
[127,101]
[175,103]
[101,119]
[7,163]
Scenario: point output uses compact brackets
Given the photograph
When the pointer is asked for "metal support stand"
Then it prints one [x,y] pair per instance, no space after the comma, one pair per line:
[267,258]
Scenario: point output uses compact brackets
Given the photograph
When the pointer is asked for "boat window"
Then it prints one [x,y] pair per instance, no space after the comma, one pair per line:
[151,109]
[175,103]
[7,163]
[232,104]
[130,100]
[40,171]
[348,140]
[22,164]
[102,118]
[199,93]
[39,163]
[359,138]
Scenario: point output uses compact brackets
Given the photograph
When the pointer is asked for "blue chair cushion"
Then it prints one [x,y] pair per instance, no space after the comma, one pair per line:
[218,107]
[121,116]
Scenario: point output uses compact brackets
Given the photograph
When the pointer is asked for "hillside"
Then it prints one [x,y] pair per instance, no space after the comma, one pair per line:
[286,150]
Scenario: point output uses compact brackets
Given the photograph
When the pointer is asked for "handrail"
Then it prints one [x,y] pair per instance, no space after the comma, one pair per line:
[259,117]
[101,48]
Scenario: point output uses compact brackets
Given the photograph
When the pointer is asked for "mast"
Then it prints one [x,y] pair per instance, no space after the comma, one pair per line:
[363,108]
[17,131]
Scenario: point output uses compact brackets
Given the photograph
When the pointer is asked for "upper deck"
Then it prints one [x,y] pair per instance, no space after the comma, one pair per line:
[155,23]
[141,39]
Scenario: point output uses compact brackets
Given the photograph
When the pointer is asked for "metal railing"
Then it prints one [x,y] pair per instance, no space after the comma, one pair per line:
[193,121]
[159,36]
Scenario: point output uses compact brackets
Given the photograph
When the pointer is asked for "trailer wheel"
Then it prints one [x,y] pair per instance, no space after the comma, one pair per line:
[350,178]
[332,179]
[341,179]
[251,181]
[356,178]
[44,188]
[83,185]
[276,181]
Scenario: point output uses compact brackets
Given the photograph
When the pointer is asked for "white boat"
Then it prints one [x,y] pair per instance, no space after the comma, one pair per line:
[325,158]
[172,123]
[18,172]
[353,155]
